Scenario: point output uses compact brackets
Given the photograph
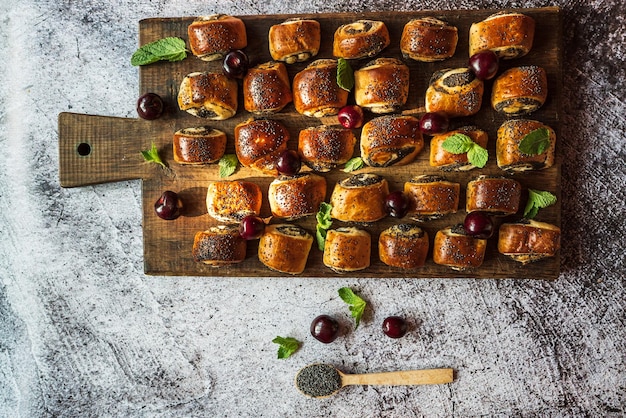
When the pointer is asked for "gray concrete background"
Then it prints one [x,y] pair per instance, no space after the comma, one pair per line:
[83,332]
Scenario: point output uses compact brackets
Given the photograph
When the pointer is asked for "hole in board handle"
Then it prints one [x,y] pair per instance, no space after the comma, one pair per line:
[83,149]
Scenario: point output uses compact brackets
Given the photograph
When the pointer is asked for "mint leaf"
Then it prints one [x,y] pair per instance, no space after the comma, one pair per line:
[535,142]
[357,305]
[287,346]
[152,155]
[324,222]
[355,163]
[460,143]
[166,49]
[228,164]
[537,199]
[345,75]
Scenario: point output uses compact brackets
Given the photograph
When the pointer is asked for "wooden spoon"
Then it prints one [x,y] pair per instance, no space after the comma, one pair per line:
[323,380]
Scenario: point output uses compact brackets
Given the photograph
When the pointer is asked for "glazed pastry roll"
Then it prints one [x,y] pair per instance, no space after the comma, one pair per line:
[294,40]
[208,95]
[231,201]
[528,240]
[455,92]
[266,88]
[259,142]
[431,197]
[391,140]
[360,39]
[285,248]
[323,147]
[403,245]
[508,34]
[315,90]
[453,248]
[520,90]
[211,37]
[219,245]
[359,198]
[201,145]
[428,39]
[508,154]
[448,161]
[498,196]
[293,197]
[382,85]
[347,249]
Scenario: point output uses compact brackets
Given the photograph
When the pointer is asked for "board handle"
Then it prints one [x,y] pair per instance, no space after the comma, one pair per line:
[100,149]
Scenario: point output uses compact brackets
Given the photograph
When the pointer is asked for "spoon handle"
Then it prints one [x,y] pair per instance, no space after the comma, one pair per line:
[406,377]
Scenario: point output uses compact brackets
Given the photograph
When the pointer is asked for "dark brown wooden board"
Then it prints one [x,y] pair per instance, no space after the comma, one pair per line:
[113,145]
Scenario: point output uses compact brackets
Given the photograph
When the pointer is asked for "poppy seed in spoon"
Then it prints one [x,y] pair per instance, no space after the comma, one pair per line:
[318,380]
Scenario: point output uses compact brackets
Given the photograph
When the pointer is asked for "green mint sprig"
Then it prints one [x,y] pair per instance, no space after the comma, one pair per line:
[324,222]
[353,164]
[357,304]
[535,142]
[537,199]
[460,143]
[287,346]
[228,164]
[152,155]
[345,74]
[166,49]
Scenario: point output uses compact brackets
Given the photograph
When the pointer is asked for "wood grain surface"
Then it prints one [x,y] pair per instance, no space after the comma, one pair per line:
[114,146]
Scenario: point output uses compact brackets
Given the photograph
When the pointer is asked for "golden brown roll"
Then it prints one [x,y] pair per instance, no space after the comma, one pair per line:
[382,85]
[293,197]
[528,240]
[453,248]
[428,39]
[219,245]
[448,161]
[498,196]
[347,249]
[455,92]
[359,198]
[315,89]
[403,245]
[508,34]
[508,154]
[285,248]
[391,140]
[360,39]
[208,95]
[520,90]
[266,88]
[259,142]
[431,197]
[211,37]
[230,201]
[295,40]
[201,145]
[324,147]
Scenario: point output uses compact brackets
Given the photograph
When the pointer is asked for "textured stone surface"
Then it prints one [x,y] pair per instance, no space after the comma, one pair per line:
[84,333]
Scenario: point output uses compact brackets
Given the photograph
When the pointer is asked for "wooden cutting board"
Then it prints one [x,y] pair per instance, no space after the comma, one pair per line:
[98,149]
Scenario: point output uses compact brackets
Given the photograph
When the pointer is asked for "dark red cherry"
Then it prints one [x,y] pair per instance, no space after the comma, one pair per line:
[350,116]
[397,204]
[325,329]
[394,327]
[433,123]
[251,227]
[168,206]
[484,64]
[235,64]
[150,106]
[288,163]
[478,225]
